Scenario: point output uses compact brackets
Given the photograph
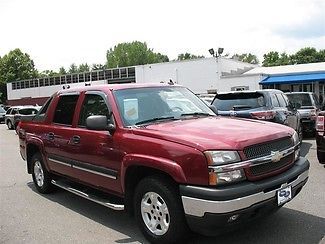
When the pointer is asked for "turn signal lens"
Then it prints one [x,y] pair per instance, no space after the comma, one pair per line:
[320,123]
[226,177]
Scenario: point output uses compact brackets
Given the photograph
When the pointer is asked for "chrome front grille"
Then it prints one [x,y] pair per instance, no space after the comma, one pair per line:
[266,168]
[265,149]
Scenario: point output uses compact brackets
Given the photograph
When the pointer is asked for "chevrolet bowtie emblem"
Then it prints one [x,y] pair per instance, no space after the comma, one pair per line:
[276,156]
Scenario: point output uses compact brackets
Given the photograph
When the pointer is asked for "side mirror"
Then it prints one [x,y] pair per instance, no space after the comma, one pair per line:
[99,122]
[214,109]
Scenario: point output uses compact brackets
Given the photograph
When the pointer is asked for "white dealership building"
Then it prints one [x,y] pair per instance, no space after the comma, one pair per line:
[205,75]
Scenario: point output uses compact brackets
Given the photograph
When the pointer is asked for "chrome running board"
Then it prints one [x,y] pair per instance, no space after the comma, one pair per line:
[102,200]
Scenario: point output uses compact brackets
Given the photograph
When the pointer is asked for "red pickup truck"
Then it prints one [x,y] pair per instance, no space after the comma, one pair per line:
[160,152]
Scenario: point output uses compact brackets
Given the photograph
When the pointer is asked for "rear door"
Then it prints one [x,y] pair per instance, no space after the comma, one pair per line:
[290,117]
[57,139]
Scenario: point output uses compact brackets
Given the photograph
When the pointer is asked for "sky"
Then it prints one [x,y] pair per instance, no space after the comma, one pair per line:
[58,33]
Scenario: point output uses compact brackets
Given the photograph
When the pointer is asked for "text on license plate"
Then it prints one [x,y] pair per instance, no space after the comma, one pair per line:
[284,195]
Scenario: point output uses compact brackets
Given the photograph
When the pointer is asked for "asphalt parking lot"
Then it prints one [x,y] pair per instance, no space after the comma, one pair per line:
[28,217]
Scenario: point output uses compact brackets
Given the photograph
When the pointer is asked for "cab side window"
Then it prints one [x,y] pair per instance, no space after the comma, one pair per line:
[65,109]
[93,104]
[9,111]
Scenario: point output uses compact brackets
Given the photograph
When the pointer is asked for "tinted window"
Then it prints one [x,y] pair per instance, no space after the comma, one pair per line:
[28,111]
[9,111]
[65,109]
[302,98]
[93,105]
[239,101]
[281,100]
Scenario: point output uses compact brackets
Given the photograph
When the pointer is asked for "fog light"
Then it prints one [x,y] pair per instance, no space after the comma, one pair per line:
[233,218]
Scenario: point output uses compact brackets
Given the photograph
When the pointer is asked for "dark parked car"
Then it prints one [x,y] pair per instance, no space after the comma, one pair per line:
[16,113]
[270,105]
[2,114]
[308,110]
[320,139]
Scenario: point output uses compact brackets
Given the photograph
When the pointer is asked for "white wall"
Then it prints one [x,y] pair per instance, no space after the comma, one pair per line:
[199,75]
[226,83]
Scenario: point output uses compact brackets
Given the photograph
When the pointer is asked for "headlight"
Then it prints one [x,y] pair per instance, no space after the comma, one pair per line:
[296,142]
[221,157]
[295,138]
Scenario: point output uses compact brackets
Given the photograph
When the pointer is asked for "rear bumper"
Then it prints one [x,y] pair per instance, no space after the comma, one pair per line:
[211,210]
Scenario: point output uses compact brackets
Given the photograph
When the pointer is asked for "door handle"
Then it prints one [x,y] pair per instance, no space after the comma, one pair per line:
[75,139]
[51,136]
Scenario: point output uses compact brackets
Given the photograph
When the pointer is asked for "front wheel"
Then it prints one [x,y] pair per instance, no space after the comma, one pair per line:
[159,211]
[41,178]
[9,125]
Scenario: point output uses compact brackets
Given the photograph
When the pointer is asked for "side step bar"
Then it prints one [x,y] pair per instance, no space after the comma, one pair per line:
[98,199]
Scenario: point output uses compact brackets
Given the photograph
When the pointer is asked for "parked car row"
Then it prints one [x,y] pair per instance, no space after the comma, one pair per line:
[299,110]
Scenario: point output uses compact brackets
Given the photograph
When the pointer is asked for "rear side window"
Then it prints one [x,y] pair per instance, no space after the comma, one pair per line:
[281,100]
[302,98]
[92,105]
[239,101]
[9,111]
[65,109]
[274,100]
[28,111]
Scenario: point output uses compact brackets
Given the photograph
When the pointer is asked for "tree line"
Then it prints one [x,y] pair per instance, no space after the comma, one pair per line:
[17,65]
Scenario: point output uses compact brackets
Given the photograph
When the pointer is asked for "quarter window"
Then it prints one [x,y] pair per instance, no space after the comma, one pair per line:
[65,109]
[93,105]
[274,100]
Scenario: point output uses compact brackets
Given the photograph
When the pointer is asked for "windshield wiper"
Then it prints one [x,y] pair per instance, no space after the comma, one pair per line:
[196,114]
[155,119]
[238,107]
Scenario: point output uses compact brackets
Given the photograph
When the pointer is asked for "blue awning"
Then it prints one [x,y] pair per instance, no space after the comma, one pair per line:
[291,79]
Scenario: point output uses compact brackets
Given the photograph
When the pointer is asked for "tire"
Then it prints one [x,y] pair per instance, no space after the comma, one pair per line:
[157,202]
[9,125]
[41,177]
[300,134]
[321,157]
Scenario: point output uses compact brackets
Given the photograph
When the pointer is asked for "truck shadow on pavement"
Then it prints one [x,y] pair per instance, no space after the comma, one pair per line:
[285,226]
[304,148]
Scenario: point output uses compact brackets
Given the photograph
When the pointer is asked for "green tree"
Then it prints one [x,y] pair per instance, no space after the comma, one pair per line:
[132,53]
[98,67]
[15,65]
[305,55]
[271,59]
[246,57]
[83,67]
[186,56]
[62,71]
[73,68]
[47,73]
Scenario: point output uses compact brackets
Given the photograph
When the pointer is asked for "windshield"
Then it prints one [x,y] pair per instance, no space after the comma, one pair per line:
[303,99]
[239,101]
[140,105]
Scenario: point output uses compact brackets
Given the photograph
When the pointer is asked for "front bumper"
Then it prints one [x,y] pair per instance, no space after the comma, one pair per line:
[209,210]
[308,125]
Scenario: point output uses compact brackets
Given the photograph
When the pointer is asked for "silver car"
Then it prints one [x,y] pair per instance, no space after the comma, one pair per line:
[14,112]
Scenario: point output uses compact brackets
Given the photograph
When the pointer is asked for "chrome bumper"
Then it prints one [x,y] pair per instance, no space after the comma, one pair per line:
[198,207]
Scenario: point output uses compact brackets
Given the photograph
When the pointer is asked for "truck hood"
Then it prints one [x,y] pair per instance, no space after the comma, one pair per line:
[217,132]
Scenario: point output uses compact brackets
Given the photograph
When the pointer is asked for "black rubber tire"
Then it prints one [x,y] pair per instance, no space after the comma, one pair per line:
[9,125]
[321,157]
[47,186]
[178,229]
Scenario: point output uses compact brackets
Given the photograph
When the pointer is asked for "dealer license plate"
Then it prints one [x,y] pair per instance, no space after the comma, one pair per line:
[284,195]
